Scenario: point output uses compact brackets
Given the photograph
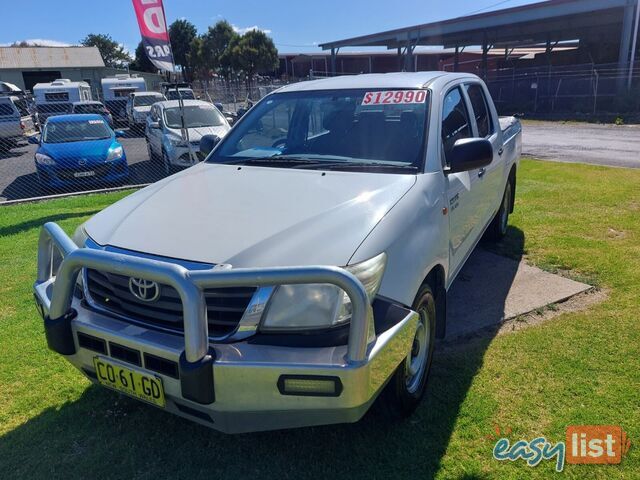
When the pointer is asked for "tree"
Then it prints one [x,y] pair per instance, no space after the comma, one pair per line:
[182,33]
[215,47]
[141,62]
[254,52]
[113,54]
[198,66]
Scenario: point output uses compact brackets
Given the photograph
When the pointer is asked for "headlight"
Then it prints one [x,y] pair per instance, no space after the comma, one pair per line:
[80,236]
[315,306]
[177,142]
[115,153]
[43,159]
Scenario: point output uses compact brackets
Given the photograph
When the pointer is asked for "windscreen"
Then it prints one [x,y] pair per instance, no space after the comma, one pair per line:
[194,116]
[75,131]
[185,94]
[353,126]
[145,100]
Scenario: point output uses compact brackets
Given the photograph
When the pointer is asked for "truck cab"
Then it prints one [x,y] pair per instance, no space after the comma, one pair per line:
[299,273]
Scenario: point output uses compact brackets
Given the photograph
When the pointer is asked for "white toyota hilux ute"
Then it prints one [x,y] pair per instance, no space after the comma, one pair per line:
[301,270]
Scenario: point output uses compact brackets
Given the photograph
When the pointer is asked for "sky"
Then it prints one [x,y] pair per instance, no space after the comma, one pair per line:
[294,25]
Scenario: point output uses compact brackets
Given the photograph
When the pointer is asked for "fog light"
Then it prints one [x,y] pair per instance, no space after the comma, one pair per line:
[309,385]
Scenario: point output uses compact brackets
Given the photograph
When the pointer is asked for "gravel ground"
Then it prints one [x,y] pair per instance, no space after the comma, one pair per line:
[617,146]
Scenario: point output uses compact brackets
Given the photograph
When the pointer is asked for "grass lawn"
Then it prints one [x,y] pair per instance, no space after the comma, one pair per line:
[578,368]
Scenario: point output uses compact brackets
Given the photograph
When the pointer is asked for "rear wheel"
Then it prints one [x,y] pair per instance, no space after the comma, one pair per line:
[500,223]
[407,386]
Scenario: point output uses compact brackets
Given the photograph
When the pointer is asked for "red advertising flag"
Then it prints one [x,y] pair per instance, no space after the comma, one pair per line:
[155,36]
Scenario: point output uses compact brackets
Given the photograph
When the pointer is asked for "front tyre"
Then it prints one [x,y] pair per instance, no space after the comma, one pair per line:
[407,386]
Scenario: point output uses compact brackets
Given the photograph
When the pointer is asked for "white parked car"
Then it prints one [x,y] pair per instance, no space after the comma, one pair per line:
[138,107]
[175,146]
[301,270]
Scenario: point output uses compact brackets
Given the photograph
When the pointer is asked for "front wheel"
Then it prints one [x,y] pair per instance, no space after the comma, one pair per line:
[407,386]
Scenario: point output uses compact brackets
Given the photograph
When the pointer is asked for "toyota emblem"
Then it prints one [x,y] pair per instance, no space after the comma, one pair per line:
[145,290]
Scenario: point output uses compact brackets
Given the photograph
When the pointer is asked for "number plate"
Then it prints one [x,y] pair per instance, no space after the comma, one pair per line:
[84,174]
[132,382]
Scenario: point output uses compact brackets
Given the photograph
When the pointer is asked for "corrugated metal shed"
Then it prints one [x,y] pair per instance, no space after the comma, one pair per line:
[49,57]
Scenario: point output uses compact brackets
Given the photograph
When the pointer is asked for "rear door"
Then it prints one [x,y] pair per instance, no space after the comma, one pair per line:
[462,187]
[490,186]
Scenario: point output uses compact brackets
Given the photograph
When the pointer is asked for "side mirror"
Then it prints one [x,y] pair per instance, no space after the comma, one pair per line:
[208,143]
[34,140]
[119,133]
[469,154]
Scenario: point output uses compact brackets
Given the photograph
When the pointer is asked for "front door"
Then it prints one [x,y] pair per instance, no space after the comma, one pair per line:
[462,188]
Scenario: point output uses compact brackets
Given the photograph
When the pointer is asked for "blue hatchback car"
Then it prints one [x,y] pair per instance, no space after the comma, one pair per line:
[75,150]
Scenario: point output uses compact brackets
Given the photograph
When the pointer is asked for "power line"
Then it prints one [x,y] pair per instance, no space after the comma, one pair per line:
[489,6]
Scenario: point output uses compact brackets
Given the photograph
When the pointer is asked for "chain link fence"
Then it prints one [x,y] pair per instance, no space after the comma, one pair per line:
[581,90]
[113,149]
[52,147]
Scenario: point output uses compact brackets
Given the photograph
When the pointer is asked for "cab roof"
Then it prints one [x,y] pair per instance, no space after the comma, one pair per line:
[373,80]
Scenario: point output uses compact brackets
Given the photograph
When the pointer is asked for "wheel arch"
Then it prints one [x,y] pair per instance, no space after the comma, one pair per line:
[512,178]
[436,279]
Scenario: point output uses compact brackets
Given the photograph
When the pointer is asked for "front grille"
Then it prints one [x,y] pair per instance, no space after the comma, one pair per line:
[225,306]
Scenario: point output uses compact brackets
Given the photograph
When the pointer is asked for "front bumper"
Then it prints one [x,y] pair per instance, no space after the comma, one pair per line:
[57,177]
[232,387]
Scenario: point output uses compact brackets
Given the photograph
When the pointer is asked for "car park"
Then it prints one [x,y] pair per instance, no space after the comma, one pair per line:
[298,273]
[92,106]
[79,150]
[16,123]
[138,107]
[176,144]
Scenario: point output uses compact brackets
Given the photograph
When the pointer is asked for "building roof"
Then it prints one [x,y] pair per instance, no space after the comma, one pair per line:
[553,20]
[49,57]
[371,80]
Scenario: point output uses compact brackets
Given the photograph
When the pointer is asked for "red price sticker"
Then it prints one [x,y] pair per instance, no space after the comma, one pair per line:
[394,97]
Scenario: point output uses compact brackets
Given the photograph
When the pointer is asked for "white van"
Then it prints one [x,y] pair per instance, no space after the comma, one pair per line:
[116,91]
[55,98]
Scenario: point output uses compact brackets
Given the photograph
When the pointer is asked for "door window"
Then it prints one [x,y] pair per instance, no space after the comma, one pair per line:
[480,109]
[455,121]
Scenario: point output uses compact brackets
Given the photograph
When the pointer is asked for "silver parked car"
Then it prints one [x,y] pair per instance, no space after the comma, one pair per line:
[175,146]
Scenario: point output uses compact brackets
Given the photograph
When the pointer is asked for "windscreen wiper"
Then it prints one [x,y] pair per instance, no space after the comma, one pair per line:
[281,159]
[358,166]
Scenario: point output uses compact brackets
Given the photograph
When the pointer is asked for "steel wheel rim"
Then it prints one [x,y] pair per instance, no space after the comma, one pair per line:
[416,362]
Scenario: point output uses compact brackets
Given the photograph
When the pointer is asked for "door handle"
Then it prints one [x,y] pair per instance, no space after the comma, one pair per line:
[481,172]
[501,151]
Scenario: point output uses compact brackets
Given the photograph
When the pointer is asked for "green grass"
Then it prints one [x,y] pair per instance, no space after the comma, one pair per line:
[578,368]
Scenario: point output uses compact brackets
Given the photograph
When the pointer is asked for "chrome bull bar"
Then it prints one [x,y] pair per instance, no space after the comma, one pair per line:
[60,261]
